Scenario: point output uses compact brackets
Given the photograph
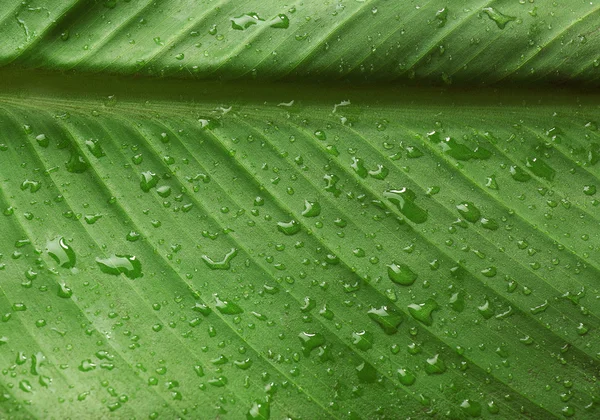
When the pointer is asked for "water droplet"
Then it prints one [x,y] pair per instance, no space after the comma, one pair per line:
[259,410]
[64,291]
[540,168]
[366,373]
[281,21]
[227,307]
[148,181]
[519,174]
[500,18]
[310,341]
[471,408]
[311,209]
[486,310]
[245,21]
[489,224]
[61,252]
[95,148]
[435,365]
[442,17]
[401,274]
[413,152]
[289,228]
[468,211]
[128,265]
[457,302]
[404,199]
[363,340]
[42,140]
[358,165]
[25,386]
[406,377]
[32,186]
[491,182]
[387,318]
[87,365]
[589,190]
[224,264]
[164,191]
[380,173]
[423,311]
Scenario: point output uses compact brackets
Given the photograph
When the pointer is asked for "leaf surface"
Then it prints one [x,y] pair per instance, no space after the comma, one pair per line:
[173,247]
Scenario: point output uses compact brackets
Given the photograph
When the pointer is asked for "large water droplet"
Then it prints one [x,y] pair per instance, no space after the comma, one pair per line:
[423,311]
[404,199]
[401,274]
[227,307]
[61,252]
[245,21]
[310,341]
[469,211]
[121,264]
[387,318]
[500,18]
[224,264]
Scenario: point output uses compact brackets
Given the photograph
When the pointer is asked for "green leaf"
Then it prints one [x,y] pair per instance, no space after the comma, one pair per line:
[476,41]
[204,249]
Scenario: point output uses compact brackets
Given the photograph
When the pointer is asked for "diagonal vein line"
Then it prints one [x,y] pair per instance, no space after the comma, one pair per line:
[240,244]
[347,267]
[171,268]
[428,50]
[44,32]
[315,48]
[181,278]
[168,46]
[487,287]
[96,48]
[468,179]
[35,154]
[343,260]
[550,41]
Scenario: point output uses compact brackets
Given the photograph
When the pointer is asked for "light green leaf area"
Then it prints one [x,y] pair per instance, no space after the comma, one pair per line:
[172,247]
